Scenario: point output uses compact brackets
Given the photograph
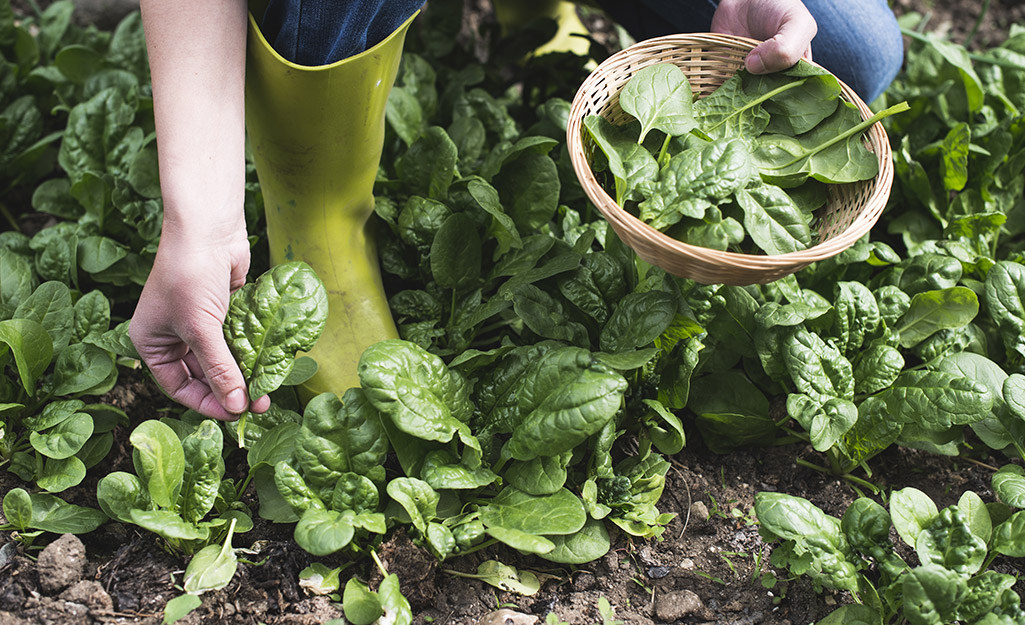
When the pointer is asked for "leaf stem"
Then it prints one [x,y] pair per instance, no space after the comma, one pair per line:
[483,545]
[762,98]
[978,22]
[242,429]
[850,132]
[9,218]
[380,565]
[988,467]
[662,153]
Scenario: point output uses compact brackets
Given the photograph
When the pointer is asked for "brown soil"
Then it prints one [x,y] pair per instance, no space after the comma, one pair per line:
[710,566]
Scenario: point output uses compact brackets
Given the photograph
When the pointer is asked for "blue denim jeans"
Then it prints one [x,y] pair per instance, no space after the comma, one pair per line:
[318,32]
[858,40]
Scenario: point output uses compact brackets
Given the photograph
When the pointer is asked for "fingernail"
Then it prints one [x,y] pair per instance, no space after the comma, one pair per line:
[235,401]
[755,64]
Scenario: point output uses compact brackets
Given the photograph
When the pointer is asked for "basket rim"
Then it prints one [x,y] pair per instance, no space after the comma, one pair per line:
[617,216]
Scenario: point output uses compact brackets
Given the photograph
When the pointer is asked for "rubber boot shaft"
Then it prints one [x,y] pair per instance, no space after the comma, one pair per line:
[316,135]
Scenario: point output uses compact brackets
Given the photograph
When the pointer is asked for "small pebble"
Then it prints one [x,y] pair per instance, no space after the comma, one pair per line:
[698,510]
[61,564]
[646,556]
[658,572]
[506,616]
[676,605]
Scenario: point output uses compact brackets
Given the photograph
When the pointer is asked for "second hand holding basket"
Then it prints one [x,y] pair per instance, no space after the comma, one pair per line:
[708,60]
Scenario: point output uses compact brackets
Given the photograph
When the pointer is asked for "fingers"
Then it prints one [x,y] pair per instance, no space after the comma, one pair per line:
[260,404]
[217,365]
[789,44]
[192,392]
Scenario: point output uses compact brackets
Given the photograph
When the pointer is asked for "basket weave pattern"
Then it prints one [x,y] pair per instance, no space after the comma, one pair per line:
[708,60]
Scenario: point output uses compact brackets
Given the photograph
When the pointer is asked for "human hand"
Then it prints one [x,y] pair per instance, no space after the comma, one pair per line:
[785,27]
[177,325]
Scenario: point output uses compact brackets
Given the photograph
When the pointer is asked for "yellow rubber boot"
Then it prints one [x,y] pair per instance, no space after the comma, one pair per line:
[316,135]
[513,14]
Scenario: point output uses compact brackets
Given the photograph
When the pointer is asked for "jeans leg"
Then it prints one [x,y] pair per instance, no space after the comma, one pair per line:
[319,32]
[858,40]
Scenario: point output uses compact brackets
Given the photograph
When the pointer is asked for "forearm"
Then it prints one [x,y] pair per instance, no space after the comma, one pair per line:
[197,60]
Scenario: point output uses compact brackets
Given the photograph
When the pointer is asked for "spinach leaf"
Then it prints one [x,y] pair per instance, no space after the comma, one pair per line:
[773,220]
[808,534]
[637,320]
[1005,294]
[931,311]
[659,96]
[560,513]
[416,391]
[697,179]
[270,320]
[563,399]
[340,436]
[160,461]
[936,400]
[830,152]
[631,163]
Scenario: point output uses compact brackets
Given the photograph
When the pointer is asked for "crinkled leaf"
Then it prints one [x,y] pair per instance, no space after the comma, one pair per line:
[339,436]
[818,369]
[1005,300]
[204,468]
[947,541]
[932,594]
[268,321]
[564,398]
[64,439]
[936,400]
[416,391]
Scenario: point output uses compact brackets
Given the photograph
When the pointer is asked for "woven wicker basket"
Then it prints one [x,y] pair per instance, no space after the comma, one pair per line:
[708,60]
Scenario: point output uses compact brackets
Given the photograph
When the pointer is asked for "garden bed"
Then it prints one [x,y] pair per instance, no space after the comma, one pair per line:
[709,566]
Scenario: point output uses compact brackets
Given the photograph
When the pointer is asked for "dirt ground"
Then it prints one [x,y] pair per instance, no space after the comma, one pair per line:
[710,567]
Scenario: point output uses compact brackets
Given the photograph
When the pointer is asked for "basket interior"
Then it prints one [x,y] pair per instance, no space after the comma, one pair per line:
[707,66]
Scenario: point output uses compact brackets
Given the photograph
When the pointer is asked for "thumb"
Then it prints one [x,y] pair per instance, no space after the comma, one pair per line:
[219,368]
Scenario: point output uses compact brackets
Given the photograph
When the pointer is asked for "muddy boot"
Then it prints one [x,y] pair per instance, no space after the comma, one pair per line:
[316,135]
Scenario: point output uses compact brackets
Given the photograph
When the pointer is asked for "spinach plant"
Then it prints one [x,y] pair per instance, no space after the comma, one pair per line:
[953,581]
[177,486]
[32,514]
[60,348]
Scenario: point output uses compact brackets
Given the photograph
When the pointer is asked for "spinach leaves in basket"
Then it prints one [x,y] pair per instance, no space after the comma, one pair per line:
[744,167]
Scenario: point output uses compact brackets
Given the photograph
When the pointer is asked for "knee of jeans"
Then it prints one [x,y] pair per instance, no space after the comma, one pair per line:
[880,61]
[869,58]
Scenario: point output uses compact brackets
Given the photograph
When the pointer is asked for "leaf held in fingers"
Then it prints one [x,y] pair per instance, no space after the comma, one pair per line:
[268,321]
